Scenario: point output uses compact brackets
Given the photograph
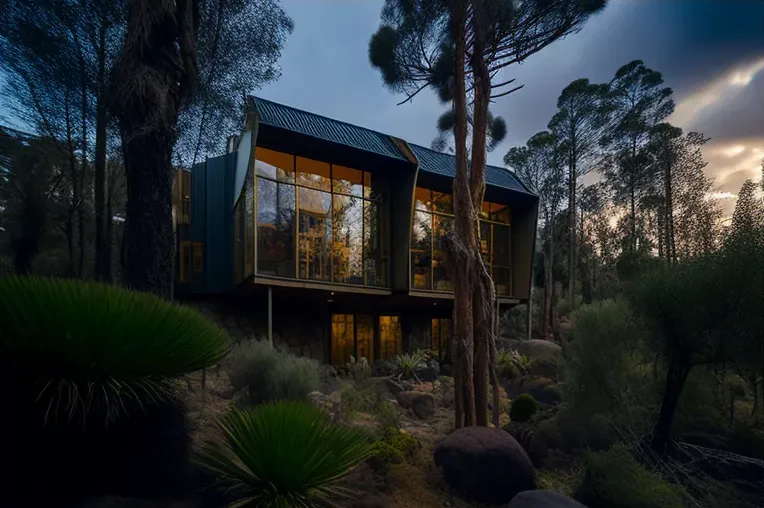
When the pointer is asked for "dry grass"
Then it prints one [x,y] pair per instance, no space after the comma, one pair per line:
[205,405]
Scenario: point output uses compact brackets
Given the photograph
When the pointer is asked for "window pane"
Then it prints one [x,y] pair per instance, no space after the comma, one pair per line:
[313,174]
[390,337]
[421,245]
[422,199]
[315,234]
[367,184]
[441,269]
[485,242]
[275,228]
[364,334]
[347,180]
[272,164]
[501,280]
[342,338]
[374,266]
[347,251]
[442,202]
[501,245]
[495,212]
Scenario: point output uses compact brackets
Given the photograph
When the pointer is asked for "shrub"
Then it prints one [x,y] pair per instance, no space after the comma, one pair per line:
[359,371]
[284,454]
[395,447]
[88,369]
[614,479]
[523,408]
[511,364]
[407,363]
[270,374]
[608,370]
[370,400]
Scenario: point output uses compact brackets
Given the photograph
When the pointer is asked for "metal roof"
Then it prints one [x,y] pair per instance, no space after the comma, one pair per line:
[321,127]
[445,165]
[310,124]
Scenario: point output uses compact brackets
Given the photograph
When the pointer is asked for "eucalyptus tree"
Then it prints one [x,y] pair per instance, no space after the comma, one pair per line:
[639,102]
[581,115]
[539,164]
[461,48]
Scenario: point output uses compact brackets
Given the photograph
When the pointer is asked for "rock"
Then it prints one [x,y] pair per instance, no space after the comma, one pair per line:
[565,328]
[543,499]
[331,403]
[543,389]
[447,370]
[393,386]
[383,368]
[443,389]
[366,422]
[428,371]
[484,464]
[425,387]
[421,404]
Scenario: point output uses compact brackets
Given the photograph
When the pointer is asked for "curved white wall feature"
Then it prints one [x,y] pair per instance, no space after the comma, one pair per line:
[243,154]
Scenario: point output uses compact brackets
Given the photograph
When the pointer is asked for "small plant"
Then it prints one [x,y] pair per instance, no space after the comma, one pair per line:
[523,408]
[370,400]
[284,454]
[359,371]
[270,374]
[511,364]
[395,447]
[407,363]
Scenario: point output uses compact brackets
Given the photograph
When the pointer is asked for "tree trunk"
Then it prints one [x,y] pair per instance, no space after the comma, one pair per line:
[483,290]
[668,226]
[102,240]
[675,379]
[572,179]
[75,201]
[548,289]
[464,407]
[148,234]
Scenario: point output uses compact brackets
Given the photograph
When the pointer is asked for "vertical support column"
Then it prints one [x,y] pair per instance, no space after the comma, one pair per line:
[270,315]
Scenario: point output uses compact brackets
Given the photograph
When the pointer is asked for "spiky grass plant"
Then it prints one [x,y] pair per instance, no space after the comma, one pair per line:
[407,363]
[89,371]
[284,454]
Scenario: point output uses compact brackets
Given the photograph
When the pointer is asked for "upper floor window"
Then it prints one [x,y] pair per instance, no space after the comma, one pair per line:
[318,221]
[433,220]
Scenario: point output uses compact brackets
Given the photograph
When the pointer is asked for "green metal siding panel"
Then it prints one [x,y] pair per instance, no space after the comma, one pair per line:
[218,245]
[310,124]
[198,227]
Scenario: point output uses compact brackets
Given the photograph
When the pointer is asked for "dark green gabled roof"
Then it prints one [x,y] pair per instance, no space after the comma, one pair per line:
[444,164]
[310,124]
[335,131]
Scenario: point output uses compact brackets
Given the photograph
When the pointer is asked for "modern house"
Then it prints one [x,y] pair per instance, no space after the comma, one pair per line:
[333,235]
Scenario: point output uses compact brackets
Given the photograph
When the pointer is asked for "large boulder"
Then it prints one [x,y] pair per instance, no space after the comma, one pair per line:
[428,371]
[485,464]
[422,404]
[546,356]
[543,499]
[545,390]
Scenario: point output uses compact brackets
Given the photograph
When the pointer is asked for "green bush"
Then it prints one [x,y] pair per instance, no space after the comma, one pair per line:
[608,368]
[270,374]
[284,454]
[614,479]
[369,400]
[88,370]
[523,408]
[511,364]
[395,447]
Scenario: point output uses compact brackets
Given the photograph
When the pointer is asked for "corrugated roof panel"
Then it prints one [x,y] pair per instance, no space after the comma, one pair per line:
[310,124]
[445,165]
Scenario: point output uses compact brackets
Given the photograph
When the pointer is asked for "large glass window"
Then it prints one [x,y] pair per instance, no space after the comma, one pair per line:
[352,336]
[390,337]
[318,221]
[440,337]
[433,221]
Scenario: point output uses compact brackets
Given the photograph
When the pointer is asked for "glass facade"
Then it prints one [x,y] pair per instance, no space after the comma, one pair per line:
[432,222]
[318,221]
[390,337]
[440,337]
